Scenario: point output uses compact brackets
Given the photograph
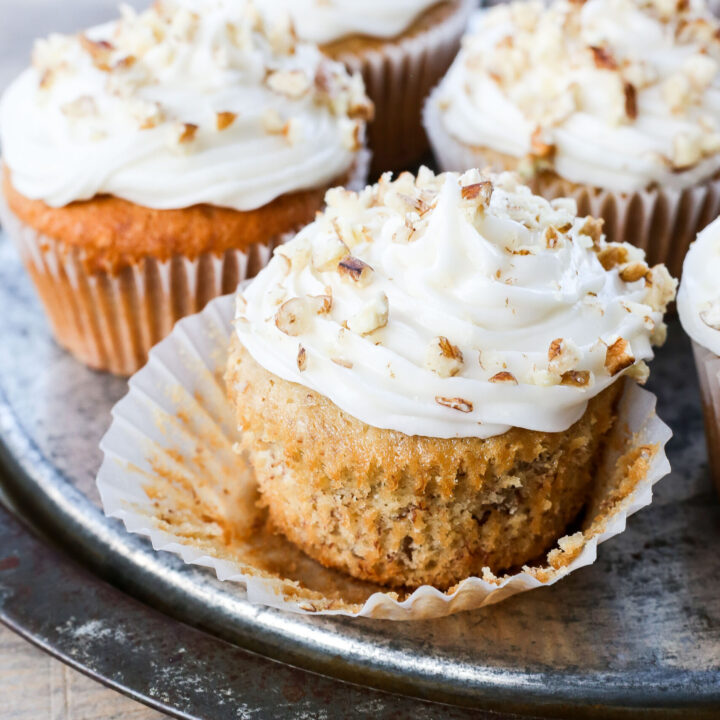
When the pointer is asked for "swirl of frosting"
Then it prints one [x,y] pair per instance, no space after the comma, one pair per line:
[189,102]
[699,296]
[454,306]
[325,22]
[617,94]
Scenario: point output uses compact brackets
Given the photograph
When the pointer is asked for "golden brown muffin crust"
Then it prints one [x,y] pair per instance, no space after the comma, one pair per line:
[403,510]
[114,233]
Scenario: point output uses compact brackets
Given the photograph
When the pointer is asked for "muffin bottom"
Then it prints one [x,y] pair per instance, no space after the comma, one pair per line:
[407,511]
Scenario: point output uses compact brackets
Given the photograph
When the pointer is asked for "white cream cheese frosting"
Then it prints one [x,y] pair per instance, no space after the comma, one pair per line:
[617,94]
[188,102]
[324,21]
[454,306]
[699,294]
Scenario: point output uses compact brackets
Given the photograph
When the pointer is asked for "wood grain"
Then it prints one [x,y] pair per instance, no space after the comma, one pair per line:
[35,686]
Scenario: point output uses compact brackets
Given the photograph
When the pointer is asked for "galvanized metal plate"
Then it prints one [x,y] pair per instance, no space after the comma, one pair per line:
[639,631]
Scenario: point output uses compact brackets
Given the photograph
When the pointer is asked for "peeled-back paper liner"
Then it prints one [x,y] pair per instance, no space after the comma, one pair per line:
[398,77]
[708,368]
[661,221]
[110,321]
[170,473]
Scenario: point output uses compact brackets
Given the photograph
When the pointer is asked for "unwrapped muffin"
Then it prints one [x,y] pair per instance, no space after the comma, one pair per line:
[612,102]
[425,375]
[153,162]
[401,47]
[699,309]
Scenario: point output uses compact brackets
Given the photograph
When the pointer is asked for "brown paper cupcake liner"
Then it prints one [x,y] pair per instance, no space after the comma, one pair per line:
[708,369]
[661,221]
[398,77]
[109,321]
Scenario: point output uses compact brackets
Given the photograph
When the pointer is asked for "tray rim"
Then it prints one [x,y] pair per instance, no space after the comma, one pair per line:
[128,563]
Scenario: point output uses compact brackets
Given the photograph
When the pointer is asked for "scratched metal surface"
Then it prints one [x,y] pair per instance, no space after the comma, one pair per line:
[639,631]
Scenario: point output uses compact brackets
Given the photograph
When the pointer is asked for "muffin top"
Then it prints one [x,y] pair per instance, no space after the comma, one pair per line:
[699,294]
[617,94]
[188,102]
[454,306]
[330,20]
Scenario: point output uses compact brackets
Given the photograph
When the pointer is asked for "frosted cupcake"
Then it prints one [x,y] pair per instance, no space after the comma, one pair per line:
[699,308]
[612,102]
[153,162]
[425,375]
[401,47]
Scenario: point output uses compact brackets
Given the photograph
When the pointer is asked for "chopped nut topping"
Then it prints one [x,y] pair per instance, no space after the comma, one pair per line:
[292,83]
[301,358]
[593,228]
[320,304]
[538,147]
[373,316]
[504,377]
[618,357]
[224,119]
[482,192]
[99,50]
[631,108]
[563,355]
[575,378]
[342,362]
[455,403]
[603,58]
[443,358]
[550,235]
[352,268]
[80,107]
[293,317]
[555,349]
[272,122]
[612,256]
[186,133]
[639,372]
[633,272]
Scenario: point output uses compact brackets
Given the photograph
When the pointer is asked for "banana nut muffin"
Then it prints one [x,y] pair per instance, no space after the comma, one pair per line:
[153,162]
[425,375]
[613,102]
[402,48]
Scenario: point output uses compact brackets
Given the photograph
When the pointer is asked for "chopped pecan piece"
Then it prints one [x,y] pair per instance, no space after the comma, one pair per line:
[603,58]
[504,377]
[224,119]
[464,406]
[575,378]
[618,357]
[355,269]
[301,358]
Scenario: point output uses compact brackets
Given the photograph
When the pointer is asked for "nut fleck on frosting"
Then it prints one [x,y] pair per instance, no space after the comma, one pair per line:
[188,102]
[455,306]
[617,94]
[699,294]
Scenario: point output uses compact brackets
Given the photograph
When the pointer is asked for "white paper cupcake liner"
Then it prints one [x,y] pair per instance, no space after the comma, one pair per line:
[663,222]
[398,77]
[109,321]
[169,473]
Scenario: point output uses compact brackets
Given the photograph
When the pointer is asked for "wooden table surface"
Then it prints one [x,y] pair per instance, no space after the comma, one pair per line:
[33,685]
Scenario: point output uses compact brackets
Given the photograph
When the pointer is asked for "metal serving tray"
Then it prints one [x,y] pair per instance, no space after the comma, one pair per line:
[635,634]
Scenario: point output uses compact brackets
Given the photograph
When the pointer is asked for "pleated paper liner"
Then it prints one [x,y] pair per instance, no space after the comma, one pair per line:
[663,222]
[708,369]
[398,77]
[110,321]
[170,473]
